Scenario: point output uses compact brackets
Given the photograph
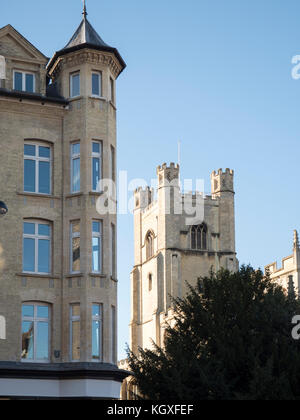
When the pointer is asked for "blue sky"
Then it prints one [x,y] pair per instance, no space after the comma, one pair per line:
[215,74]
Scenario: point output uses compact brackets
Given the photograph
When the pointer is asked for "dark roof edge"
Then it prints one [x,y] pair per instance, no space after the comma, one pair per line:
[32,96]
[62,371]
[86,45]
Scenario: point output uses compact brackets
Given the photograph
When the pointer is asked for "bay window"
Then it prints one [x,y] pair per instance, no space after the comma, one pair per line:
[96,164]
[97,328]
[75,247]
[75,167]
[97,246]
[97,84]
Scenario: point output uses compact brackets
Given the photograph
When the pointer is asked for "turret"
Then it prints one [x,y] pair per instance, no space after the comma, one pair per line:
[222,182]
[222,186]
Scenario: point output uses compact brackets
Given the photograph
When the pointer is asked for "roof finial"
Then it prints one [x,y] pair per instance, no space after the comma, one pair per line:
[296,240]
[84,10]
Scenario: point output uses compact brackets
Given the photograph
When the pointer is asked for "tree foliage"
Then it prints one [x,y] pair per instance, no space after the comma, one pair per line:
[231,341]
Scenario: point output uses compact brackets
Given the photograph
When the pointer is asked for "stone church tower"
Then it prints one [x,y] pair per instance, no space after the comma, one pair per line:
[58,281]
[170,252]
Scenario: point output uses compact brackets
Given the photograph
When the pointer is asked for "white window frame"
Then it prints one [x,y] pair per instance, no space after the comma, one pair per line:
[98,73]
[113,240]
[111,90]
[24,73]
[71,84]
[98,318]
[75,156]
[113,334]
[35,321]
[37,159]
[98,235]
[113,163]
[99,157]
[36,238]
[74,235]
[74,318]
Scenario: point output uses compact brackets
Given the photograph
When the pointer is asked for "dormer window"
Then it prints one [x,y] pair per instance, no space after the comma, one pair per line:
[24,81]
[97,84]
[75,85]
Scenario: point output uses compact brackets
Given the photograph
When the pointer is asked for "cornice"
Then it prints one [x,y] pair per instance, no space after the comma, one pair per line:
[86,56]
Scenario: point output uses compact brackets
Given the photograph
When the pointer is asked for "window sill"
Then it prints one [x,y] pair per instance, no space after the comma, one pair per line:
[38,276]
[97,193]
[38,195]
[102,276]
[72,195]
[113,105]
[75,98]
[74,275]
[100,98]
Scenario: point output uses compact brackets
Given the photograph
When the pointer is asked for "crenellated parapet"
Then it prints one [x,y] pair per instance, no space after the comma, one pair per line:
[222,181]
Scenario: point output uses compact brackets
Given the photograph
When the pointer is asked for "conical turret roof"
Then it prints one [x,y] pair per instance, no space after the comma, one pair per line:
[86,37]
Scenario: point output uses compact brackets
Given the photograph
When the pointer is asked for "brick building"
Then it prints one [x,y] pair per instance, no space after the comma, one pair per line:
[58,282]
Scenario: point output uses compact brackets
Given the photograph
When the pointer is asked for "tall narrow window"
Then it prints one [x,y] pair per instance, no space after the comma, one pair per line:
[97,328]
[75,167]
[111,90]
[24,81]
[36,248]
[113,335]
[75,332]
[97,246]
[97,84]
[75,85]
[75,247]
[113,163]
[113,250]
[199,237]
[35,332]
[149,245]
[37,168]
[96,164]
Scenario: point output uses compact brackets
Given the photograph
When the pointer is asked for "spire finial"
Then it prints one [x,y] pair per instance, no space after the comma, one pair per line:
[84,10]
[296,240]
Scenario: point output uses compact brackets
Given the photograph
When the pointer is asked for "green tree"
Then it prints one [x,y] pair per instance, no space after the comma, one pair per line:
[232,341]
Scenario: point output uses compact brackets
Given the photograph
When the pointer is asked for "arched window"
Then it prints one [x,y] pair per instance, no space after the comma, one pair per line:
[149,245]
[199,237]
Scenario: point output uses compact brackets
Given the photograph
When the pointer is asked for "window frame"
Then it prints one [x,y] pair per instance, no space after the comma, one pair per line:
[77,73]
[74,318]
[113,334]
[100,86]
[98,235]
[74,235]
[36,237]
[35,319]
[99,157]
[37,159]
[198,232]
[98,318]
[111,90]
[75,156]
[113,243]
[113,163]
[24,73]
[149,243]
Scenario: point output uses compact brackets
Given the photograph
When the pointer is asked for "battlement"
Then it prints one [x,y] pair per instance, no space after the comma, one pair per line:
[165,167]
[143,189]
[222,181]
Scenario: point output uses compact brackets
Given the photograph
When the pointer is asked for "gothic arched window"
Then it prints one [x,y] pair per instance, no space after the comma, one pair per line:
[199,237]
[149,245]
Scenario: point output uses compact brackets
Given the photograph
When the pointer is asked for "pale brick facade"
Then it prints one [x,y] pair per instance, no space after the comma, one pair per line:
[49,116]
[288,275]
